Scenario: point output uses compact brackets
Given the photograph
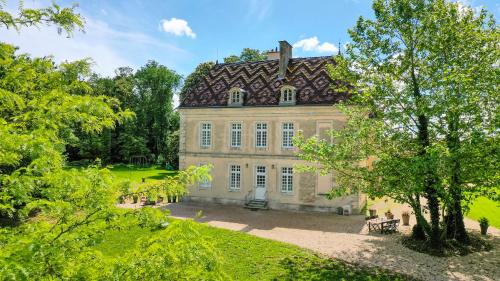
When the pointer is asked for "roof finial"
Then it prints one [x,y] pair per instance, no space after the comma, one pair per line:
[340,46]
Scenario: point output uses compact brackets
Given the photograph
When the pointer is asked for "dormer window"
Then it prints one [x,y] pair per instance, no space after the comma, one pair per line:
[287,95]
[235,97]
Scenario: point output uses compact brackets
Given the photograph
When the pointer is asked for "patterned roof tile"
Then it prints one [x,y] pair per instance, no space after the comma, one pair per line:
[262,87]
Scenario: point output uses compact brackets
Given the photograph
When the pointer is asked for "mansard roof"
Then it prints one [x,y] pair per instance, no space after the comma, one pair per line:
[262,85]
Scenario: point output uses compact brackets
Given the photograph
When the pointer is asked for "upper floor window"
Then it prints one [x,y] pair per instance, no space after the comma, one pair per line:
[235,97]
[235,135]
[261,135]
[287,95]
[205,135]
[286,179]
[287,135]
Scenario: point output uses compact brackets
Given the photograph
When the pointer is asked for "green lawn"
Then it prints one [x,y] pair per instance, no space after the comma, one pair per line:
[484,207]
[246,257]
[135,173]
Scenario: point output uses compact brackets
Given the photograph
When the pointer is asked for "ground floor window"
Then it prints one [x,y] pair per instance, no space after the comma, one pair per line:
[235,177]
[204,184]
[286,179]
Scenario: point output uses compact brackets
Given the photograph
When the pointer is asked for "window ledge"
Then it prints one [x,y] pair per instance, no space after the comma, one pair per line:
[287,193]
[234,190]
[285,103]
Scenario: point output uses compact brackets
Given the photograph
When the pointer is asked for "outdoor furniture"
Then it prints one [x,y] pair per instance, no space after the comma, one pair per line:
[383,225]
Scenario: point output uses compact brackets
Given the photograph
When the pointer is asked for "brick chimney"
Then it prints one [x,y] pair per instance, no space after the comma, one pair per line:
[273,54]
[285,56]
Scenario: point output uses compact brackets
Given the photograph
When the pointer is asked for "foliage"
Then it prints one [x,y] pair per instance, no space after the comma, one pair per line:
[172,186]
[37,118]
[64,18]
[246,55]
[484,222]
[58,215]
[149,93]
[423,71]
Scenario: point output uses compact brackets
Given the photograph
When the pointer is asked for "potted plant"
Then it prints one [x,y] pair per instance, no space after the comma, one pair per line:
[389,214]
[406,217]
[484,224]
[373,213]
[151,199]
[135,198]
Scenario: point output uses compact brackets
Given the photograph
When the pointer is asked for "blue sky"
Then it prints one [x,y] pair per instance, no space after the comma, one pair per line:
[182,34]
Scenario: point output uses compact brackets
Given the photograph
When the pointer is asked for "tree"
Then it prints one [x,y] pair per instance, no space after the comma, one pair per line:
[155,86]
[57,215]
[414,71]
[247,55]
[64,18]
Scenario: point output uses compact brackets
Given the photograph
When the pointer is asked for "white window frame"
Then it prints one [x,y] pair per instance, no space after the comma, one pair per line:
[235,96]
[205,140]
[287,135]
[204,184]
[235,135]
[286,179]
[258,174]
[235,170]
[288,95]
[261,134]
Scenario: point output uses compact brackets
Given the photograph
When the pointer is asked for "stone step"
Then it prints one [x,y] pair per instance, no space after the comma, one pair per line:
[257,205]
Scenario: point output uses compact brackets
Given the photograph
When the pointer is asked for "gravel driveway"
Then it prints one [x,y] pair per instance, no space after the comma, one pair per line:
[347,238]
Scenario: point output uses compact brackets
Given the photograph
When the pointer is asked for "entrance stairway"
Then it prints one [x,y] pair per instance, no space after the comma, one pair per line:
[255,205]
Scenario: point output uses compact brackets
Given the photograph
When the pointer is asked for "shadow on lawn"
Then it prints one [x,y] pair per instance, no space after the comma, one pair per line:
[298,268]
[162,175]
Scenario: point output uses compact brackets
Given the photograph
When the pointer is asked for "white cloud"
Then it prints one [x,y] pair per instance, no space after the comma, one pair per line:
[107,47]
[313,45]
[179,27]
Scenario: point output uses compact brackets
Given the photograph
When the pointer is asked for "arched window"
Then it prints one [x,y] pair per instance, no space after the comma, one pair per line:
[287,95]
[235,97]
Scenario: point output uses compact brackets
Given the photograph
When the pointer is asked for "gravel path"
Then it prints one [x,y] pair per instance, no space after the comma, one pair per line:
[347,238]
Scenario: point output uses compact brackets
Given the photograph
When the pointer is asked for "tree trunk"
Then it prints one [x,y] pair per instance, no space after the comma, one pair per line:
[429,181]
[456,223]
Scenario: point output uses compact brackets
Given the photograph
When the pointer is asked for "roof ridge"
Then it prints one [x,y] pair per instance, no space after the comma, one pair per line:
[273,60]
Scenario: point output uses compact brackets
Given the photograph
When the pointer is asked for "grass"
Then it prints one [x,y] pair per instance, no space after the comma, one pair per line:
[246,257]
[135,174]
[484,207]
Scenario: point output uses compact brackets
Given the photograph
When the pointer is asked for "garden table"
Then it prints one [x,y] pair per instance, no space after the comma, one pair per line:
[385,225]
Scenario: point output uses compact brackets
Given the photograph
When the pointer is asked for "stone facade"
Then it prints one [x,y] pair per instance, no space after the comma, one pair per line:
[308,188]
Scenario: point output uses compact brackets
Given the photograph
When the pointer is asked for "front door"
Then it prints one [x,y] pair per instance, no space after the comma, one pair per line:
[260,183]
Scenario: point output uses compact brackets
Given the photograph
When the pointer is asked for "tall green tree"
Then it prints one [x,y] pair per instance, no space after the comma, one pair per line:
[61,214]
[156,85]
[415,72]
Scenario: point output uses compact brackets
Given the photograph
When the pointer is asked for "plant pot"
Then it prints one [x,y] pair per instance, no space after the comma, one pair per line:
[389,215]
[484,229]
[406,219]
[373,213]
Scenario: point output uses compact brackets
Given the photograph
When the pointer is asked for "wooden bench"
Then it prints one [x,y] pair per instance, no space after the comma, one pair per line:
[384,225]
